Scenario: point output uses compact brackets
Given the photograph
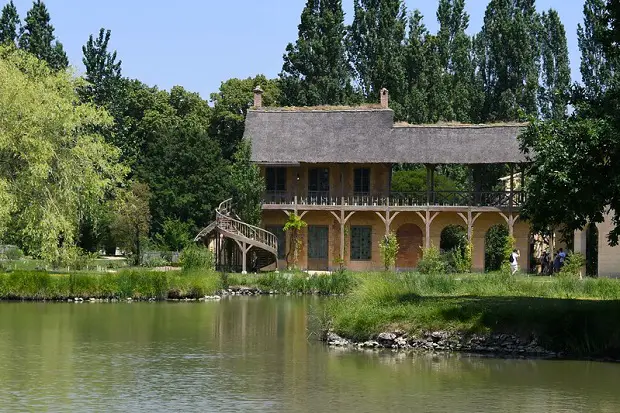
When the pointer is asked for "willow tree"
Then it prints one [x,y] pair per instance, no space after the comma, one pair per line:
[53,169]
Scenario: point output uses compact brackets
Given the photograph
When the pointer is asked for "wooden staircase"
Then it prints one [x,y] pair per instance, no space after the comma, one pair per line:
[249,238]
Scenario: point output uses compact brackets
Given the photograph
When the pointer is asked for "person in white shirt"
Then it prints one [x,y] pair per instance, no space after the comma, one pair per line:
[514,265]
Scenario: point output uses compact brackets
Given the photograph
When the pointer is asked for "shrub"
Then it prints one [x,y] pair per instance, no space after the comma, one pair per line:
[13,254]
[432,261]
[573,266]
[495,241]
[388,249]
[197,257]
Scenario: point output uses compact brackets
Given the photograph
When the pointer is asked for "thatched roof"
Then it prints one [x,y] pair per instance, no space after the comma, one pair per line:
[368,135]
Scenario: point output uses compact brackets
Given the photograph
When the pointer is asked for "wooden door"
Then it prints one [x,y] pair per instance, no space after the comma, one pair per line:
[318,248]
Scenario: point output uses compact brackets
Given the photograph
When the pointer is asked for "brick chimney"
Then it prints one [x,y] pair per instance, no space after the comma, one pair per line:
[258,97]
[385,98]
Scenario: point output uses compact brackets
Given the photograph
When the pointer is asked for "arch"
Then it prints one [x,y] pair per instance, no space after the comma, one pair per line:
[494,246]
[410,239]
[592,250]
[453,237]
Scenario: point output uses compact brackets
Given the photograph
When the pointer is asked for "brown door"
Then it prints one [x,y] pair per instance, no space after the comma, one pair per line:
[318,248]
[410,246]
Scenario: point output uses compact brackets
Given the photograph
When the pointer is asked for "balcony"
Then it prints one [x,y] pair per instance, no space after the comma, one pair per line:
[489,199]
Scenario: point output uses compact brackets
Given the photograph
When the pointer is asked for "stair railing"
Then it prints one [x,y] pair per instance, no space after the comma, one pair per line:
[229,224]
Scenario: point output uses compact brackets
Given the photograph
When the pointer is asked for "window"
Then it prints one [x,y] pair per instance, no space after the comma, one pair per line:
[278,231]
[361,184]
[276,179]
[318,239]
[361,243]
[318,180]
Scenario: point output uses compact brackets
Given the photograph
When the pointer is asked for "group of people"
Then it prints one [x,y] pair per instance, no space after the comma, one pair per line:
[552,264]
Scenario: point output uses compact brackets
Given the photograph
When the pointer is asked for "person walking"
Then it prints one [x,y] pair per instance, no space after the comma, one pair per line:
[513,259]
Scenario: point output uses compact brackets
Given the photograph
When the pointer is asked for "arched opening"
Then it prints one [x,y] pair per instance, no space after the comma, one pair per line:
[592,250]
[453,243]
[410,242]
[494,247]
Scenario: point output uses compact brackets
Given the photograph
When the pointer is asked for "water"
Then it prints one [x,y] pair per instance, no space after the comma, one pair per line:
[253,354]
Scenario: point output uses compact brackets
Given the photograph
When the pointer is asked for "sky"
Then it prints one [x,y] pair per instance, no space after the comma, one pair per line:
[198,44]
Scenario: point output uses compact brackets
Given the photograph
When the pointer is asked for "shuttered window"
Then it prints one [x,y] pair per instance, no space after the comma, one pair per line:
[361,184]
[318,238]
[278,231]
[361,243]
[275,178]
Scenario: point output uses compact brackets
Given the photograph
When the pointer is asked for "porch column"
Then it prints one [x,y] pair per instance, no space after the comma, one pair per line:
[428,220]
[510,220]
[244,254]
[470,220]
[512,186]
[387,220]
[342,220]
[430,183]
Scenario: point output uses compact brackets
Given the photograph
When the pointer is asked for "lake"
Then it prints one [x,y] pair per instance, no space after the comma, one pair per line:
[256,354]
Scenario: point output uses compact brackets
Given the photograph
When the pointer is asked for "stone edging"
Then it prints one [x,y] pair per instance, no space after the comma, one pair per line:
[444,341]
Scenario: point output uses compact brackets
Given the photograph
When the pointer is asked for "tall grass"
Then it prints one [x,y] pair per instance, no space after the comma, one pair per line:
[340,282]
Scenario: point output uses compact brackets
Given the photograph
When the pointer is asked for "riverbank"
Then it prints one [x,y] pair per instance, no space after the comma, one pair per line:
[481,313]
[149,285]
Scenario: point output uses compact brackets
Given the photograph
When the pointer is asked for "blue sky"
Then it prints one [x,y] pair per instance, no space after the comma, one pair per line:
[199,43]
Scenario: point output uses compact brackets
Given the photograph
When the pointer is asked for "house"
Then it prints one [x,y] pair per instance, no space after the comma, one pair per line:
[332,166]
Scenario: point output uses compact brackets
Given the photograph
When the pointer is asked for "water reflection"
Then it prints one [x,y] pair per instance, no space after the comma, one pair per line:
[253,354]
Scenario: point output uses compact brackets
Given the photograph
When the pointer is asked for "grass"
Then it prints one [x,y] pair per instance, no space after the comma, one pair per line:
[145,284]
[566,315]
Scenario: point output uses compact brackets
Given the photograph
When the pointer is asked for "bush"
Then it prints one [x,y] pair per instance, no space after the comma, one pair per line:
[13,254]
[196,257]
[495,242]
[432,261]
[389,250]
[573,266]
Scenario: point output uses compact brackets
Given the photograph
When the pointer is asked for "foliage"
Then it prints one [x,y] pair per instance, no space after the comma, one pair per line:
[230,107]
[453,237]
[388,248]
[12,253]
[555,89]
[132,219]
[248,185]
[175,235]
[497,247]
[573,266]
[37,37]
[103,72]
[415,181]
[293,226]
[9,25]
[375,41]
[53,171]
[315,69]
[197,257]
[431,261]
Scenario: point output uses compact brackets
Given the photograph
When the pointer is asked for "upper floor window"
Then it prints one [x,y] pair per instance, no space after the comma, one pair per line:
[361,184]
[276,178]
[318,180]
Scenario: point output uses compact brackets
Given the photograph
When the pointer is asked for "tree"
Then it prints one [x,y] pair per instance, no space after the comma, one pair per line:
[508,47]
[388,248]
[38,38]
[9,24]
[132,219]
[103,72]
[596,69]
[230,107]
[315,69]
[454,47]
[418,65]
[554,92]
[248,186]
[53,170]
[175,235]
[376,46]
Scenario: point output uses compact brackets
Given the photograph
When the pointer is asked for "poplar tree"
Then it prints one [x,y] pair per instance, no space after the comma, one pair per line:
[9,24]
[376,47]
[415,101]
[103,72]
[555,89]
[316,70]
[596,69]
[38,38]
[454,48]
[509,42]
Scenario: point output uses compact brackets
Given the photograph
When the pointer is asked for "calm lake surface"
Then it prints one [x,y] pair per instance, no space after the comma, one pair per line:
[253,354]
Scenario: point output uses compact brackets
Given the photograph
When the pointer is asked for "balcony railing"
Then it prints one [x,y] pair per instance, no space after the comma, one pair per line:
[498,199]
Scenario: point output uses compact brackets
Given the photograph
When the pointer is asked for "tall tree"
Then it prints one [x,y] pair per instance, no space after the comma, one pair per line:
[132,219]
[38,38]
[454,48]
[509,42]
[376,47]
[555,88]
[315,69]
[9,24]
[596,69]
[230,106]
[103,72]
[417,69]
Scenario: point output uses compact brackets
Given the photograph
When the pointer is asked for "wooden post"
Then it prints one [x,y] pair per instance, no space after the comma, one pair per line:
[428,185]
[342,240]
[243,258]
[512,186]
